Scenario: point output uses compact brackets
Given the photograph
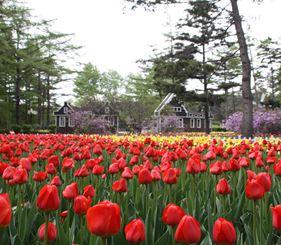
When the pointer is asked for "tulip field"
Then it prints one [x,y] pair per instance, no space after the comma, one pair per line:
[144,189]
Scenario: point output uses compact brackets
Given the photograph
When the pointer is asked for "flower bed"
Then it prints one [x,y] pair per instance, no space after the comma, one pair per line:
[153,189]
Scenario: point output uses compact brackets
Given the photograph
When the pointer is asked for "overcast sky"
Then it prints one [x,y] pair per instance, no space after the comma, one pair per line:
[114,38]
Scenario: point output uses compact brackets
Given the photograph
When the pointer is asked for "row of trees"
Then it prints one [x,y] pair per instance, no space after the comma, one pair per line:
[32,64]
[32,61]
[203,13]
[204,51]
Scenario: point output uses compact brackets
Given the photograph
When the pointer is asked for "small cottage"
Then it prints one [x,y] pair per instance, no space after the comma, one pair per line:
[66,125]
[63,120]
[191,121]
[110,115]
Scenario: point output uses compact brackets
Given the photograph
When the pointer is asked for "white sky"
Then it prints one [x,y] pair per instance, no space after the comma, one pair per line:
[114,38]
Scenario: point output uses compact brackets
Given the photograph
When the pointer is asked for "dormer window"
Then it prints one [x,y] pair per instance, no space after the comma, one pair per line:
[177,109]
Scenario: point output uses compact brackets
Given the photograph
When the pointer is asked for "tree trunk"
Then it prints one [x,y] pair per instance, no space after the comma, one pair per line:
[206,107]
[226,104]
[48,100]
[39,100]
[247,129]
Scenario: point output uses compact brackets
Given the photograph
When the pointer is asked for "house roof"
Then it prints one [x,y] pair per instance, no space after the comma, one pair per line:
[182,112]
[61,110]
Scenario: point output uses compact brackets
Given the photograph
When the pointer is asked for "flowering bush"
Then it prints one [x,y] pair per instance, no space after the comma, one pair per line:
[87,124]
[265,121]
[169,124]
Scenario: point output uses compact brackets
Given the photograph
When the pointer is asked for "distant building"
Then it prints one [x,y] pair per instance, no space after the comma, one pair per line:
[66,125]
[110,115]
[190,121]
[63,120]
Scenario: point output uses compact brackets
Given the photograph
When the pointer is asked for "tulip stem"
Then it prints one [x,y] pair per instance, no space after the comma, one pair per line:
[146,198]
[261,222]
[19,206]
[254,223]
[82,230]
[265,208]
[103,241]
[193,190]
[46,229]
[234,186]
[170,197]
[224,211]
[68,220]
[173,235]
[215,196]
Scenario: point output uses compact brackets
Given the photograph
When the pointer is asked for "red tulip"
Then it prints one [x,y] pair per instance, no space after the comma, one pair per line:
[127,173]
[277,168]
[145,177]
[193,166]
[233,165]
[56,181]
[172,215]
[104,219]
[48,200]
[244,162]
[98,170]
[9,173]
[155,175]
[20,176]
[26,163]
[188,230]
[52,232]
[120,186]
[97,149]
[70,191]
[170,176]
[91,163]
[224,232]
[54,160]
[251,175]
[67,164]
[223,187]
[276,211]
[40,176]
[135,231]
[51,169]
[113,168]
[81,204]
[3,166]
[216,168]
[265,180]
[254,189]
[89,191]
[5,211]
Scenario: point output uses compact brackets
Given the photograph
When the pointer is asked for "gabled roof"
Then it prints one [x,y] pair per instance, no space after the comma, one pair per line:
[101,111]
[164,102]
[61,110]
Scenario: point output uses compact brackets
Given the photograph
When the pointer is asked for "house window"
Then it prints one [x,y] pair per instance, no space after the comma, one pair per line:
[61,121]
[198,123]
[65,110]
[181,122]
[71,123]
[190,114]
[177,109]
[192,123]
[106,110]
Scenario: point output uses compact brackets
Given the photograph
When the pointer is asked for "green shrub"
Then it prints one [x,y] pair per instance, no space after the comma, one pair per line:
[218,128]
[16,128]
[4,131]
[53,128]
[26,128]
[36,127]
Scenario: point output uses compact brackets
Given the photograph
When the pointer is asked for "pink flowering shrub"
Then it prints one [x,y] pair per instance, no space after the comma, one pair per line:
[265,121]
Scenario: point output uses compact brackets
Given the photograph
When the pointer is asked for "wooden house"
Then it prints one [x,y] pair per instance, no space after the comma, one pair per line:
[190,121]
[63,120]
[110,115]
